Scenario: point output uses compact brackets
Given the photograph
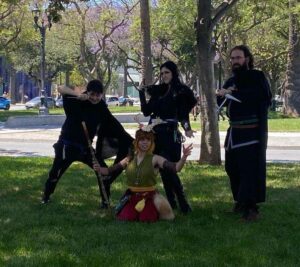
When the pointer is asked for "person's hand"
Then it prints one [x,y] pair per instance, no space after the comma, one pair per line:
[222,92]
[96,166]
[189,133]
[124,162]
[99,169]
[83,97]
[187,151]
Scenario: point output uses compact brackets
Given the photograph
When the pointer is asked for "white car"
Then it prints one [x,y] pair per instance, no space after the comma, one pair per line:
[112,100]
[36,102]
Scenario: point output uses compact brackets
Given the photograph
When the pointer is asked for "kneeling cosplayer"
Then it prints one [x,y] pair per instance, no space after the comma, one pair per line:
[142,201]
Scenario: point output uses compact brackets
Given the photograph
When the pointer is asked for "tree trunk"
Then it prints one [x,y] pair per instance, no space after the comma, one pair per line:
[147,72]
[125,83]
[292,86]
[210,140]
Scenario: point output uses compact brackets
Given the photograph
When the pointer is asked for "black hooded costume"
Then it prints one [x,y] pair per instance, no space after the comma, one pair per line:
[73,146]
[246,139]
[172,106]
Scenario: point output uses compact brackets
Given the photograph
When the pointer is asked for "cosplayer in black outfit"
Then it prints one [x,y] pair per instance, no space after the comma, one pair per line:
[246,140]
[72,144]
[172,102]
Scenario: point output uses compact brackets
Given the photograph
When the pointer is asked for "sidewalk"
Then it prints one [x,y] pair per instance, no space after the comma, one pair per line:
[282,147]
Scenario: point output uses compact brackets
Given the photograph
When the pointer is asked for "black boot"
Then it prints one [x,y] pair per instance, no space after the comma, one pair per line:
[168,186]
[238,207]
[185,208]
[45,199]
[178,190]
[250,213]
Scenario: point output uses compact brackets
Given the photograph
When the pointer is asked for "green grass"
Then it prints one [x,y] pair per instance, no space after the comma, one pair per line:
[277,121]
[275,125]
[5,114]
[124,109]
[71,231]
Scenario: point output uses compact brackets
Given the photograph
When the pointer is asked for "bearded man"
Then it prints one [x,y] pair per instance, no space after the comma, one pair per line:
[246,139]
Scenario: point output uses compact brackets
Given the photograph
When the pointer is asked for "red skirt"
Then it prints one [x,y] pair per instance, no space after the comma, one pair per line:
[148,214]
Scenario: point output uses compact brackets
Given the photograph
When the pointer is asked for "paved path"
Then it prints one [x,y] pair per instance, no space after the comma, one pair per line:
[283,147]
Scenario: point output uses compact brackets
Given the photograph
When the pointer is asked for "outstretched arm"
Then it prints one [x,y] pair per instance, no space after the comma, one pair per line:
[162,163]
[115,168]
[64,90]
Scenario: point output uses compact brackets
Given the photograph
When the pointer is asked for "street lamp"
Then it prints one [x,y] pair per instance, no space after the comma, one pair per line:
[42,21]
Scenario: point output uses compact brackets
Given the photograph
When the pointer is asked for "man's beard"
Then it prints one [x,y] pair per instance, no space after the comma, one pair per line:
[236,68]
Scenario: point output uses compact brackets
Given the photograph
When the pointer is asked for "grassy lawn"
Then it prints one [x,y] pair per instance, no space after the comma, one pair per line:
[122,109]
[277,121]
[5,114]
[275,125]
[71,231]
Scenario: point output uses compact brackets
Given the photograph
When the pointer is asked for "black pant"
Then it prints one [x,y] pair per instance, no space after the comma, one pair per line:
[242,167]
[168,145]
[65,155]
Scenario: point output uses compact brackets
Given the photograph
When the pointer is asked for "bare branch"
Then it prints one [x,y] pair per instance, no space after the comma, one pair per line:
[5,13]
[133,83]
[264,62]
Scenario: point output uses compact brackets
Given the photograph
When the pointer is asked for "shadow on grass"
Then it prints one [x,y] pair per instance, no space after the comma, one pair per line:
[71,231]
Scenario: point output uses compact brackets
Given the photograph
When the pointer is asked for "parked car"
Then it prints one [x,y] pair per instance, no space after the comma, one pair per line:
[4,103]
[59,103]
[277,103]
[125,101]
[136,101]
[36,102]
[112,100]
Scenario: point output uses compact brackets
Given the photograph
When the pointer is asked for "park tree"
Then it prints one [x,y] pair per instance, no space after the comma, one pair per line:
[99,25]
[174,36]
[147,71]
[207,19]
[292,84]
[12,15]
[25,55]
[263,27]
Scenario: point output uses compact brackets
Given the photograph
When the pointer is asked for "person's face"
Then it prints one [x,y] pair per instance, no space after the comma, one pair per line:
[144,144]
[94,97]
[166,75]
[238,59]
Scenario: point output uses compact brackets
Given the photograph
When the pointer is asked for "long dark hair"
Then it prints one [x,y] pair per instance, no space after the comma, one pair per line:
[170,65]
[162,88]
[247,53]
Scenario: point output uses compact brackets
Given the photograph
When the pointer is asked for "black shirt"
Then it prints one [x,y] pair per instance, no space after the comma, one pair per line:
[77,111]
